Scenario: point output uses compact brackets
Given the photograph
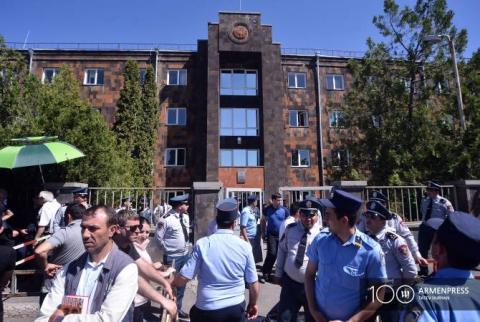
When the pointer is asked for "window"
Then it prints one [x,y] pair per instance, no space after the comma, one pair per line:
[143,72]
[298,118]
[177,77]
[238,158]
[335,83]
[300,158]
[49,74]
[336,119]
[340,158]
[93,77]
[238,122]
[297,80]
[175,157]
[238,82]
[377,121]
[176,116]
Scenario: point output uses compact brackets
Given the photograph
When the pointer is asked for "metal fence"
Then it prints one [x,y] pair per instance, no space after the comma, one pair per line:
[403,200]
[144,197]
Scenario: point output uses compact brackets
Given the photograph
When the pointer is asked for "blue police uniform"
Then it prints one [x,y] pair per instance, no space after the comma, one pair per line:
[438,207]
[223,263]
[451,294]
[345,271]
[248,219]
[172,235]
[395,224]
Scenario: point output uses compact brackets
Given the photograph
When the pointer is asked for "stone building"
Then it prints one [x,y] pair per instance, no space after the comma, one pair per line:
[236,110]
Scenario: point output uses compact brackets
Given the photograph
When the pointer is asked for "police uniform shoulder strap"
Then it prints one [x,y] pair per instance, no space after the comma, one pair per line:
[358,241]
[391,235]
[443,200]
[293,224]
[166,215]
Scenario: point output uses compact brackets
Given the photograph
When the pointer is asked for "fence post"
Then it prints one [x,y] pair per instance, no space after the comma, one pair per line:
[465,191]
[355,187]
[205,198]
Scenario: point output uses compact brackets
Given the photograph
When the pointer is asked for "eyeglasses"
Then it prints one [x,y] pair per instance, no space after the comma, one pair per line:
[133,228]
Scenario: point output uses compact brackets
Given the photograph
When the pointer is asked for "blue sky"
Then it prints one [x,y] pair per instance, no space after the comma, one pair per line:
[338,24]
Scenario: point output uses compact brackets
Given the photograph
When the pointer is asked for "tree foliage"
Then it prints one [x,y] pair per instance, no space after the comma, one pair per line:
[28,107]
[137,119]
[402,130]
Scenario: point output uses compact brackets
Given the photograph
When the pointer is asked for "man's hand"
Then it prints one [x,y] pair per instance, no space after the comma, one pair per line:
[252,311]
[171,308]
[57,314]
[52,269]
[421,261]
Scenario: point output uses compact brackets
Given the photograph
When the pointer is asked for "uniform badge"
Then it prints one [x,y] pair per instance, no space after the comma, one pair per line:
[309,204]
[374,194]
[403,250]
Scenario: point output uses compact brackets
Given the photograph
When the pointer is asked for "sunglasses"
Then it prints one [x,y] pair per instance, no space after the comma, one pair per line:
[133,228]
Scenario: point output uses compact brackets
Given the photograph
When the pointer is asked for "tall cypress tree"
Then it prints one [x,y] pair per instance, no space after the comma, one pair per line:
[129,116]
[148,130]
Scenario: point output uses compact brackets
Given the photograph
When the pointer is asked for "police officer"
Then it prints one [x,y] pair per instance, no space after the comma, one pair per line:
[173,236]
[456,249]
[248,226]
[223,263]
[400,265]
[292,261]
[273,217]
[397,225]
[343,264]
[433,206]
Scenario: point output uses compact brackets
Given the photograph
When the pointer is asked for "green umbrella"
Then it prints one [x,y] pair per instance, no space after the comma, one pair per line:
[35,151]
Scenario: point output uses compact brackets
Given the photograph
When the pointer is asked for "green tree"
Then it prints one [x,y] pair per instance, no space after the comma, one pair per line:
[468,151]
[28,107]
[149,128]
[400,131]
[129,115]
[65,114]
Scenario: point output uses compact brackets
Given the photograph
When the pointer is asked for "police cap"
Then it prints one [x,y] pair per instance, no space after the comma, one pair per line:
[178,200]
[252,198]
[80,192]
[377,208]
[462,233]
[309,206]
[433,186]
[343,201]
[227,210]
[378,196]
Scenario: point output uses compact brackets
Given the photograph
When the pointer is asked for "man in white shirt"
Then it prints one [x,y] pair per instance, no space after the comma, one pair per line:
[104,275]
[50,206]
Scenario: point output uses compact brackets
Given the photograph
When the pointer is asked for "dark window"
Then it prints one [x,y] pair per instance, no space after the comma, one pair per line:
[175,157]
[340,158]
[297,80]
[335,83]
[300,158]
[337,119]
[176,116]
[238,82]
[238,158]
[298,118]
[177,77]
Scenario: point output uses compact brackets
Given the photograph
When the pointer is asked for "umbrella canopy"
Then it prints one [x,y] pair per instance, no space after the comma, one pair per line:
[35,151]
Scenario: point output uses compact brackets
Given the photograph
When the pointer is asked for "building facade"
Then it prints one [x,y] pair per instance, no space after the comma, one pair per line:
[235,110]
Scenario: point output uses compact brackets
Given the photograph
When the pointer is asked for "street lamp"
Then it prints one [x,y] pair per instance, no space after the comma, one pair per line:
[451,43]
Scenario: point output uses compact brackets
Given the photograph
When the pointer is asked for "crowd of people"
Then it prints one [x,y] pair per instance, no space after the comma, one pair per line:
[328,259]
